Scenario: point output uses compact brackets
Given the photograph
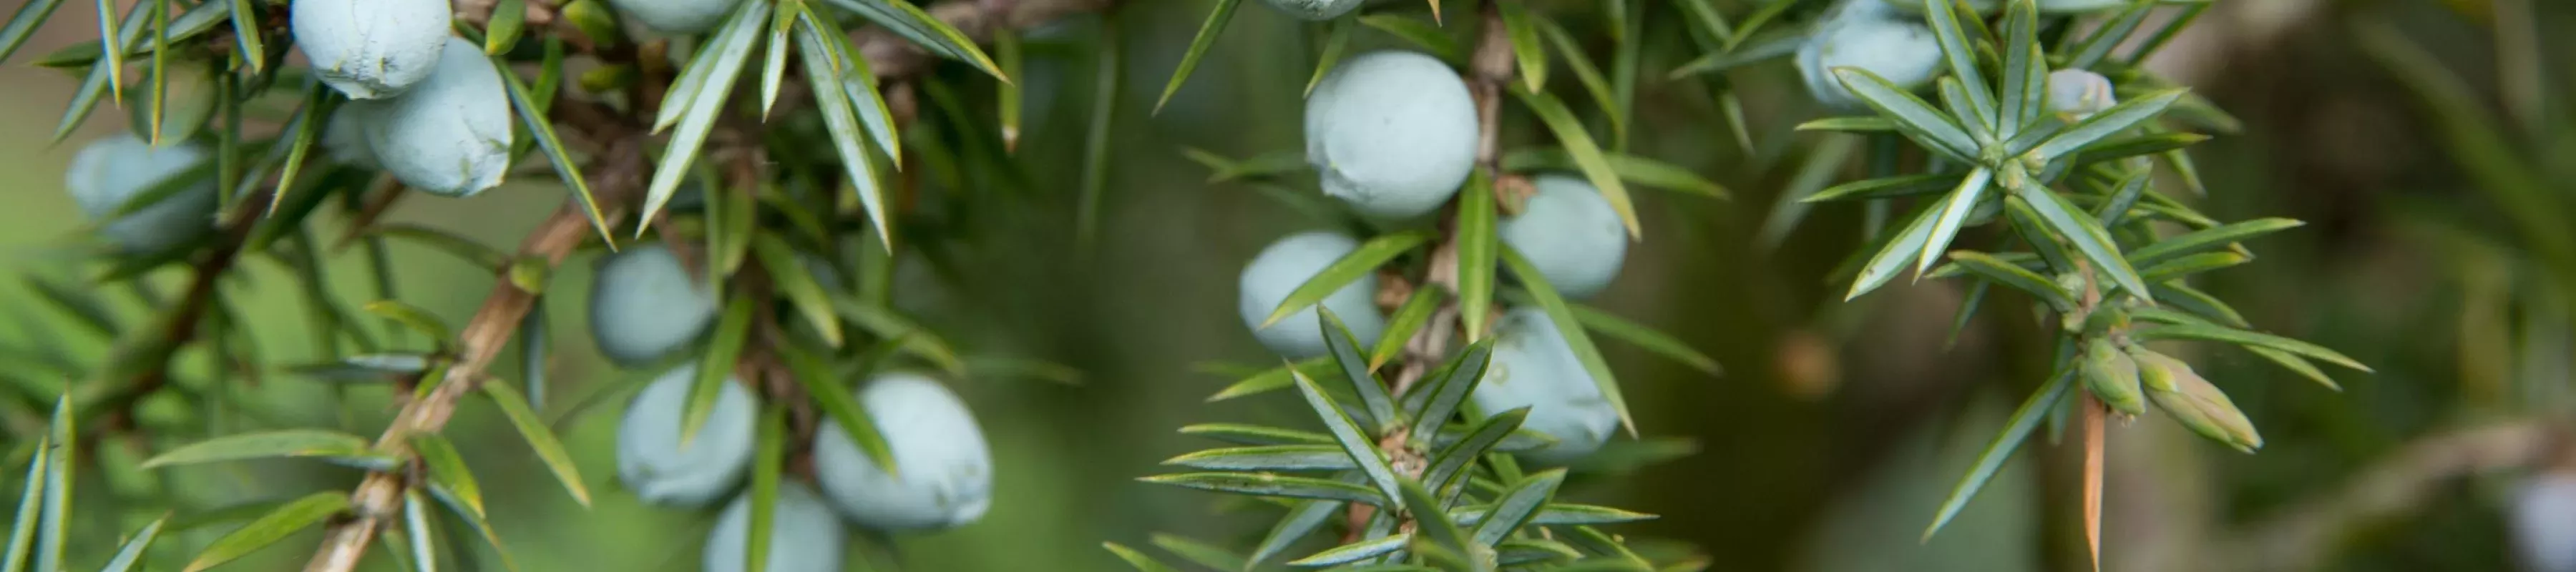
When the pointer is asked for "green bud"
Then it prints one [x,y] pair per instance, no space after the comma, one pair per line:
[2111,376]
[2195,403]
[530,273]
[2101,321]
[2013,175]
[2153,374]
[2070,281]
[595,21]
[607,78]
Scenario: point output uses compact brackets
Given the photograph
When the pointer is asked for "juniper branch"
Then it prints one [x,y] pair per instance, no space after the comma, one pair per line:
[1489,69]
[621,173]
[142,365]
[378,499]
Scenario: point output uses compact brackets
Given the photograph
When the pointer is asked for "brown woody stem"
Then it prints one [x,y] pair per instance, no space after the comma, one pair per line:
[379,497]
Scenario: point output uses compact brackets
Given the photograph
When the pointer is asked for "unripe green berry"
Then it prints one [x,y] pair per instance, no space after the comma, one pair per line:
[450,134]
[1570,233]
[947,470]
[2543,515]
[677,16]
[654,463]
[117,168]
[644,304]
[1315,9]
[1393,133]
[1534,367]
[804,536]
[1870,35]
[1289,263]
[370,49]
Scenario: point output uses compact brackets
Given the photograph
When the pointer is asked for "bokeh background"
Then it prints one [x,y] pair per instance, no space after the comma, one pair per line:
[1826,445]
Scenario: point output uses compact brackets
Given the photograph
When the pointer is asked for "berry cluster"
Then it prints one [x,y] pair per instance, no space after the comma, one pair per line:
[425,106]
[1393,135]
[646,306]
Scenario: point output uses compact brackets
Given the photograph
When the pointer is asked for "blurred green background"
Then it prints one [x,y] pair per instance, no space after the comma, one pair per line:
[1831,438]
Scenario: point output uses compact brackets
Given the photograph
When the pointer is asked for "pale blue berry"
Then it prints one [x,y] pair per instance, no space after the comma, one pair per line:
[644,304]
[1393,133]
[804,536]
[1533,367]
[2045,6]
[654,463]
[1315,9]
[450,134]
[1289,263]
[371,49]
[2075,94]
[1873,36]
[2543,515]
[117,168]
[946,470]
[1570,233]
[678,16]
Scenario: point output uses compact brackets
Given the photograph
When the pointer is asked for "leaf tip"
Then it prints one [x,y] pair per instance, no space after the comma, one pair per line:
[1857,289]
[1932,529]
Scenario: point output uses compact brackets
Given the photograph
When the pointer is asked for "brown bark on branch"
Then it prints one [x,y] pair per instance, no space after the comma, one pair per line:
[378,499]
